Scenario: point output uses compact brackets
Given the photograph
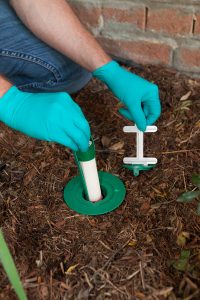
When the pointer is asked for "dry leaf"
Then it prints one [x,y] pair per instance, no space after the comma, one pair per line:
[28,177]
[186,96]
[164,292]
[92,222]
[132,243]
[71,268]
[64,286]
[105,141]
[140,295]
[60,224]
[182,238]
[155,206]
[145,207]
[149,238]
[117,146]
[193,82]
[44,292]
[105,225]
[197,123]
[157,191]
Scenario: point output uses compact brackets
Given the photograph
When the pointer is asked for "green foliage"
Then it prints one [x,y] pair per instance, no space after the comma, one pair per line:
[182,263]
[7,261]
[191,196]
[196,180]
[188,196]
[198,209]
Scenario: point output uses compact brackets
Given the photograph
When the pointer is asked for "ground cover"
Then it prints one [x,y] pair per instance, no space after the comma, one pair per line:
[149,248]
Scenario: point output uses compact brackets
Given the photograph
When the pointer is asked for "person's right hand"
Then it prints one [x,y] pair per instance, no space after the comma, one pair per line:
[140,97]
[52,117]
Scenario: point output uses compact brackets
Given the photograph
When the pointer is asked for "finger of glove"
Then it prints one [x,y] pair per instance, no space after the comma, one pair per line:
[78,137]
[154,109]
[80,120]
[152,103]
[83,125]
[138,116]
[125,113]
[69,103]
[145,110]
[66,141]
[78,109]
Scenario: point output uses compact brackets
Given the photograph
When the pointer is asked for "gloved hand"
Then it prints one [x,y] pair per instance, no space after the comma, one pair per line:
[52,117]
[140,97]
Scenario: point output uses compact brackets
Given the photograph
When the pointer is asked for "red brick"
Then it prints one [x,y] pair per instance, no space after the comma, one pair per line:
[190,57]
[133,15]
[197,25]
[138,51]
[88,15]
[170,21]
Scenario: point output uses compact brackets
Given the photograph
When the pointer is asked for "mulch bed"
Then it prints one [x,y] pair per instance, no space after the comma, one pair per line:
[126,254]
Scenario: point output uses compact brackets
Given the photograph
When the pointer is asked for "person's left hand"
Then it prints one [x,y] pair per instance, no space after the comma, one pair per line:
[140,97]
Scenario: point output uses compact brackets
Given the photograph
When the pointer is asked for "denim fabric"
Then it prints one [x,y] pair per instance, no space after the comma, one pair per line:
[32,65]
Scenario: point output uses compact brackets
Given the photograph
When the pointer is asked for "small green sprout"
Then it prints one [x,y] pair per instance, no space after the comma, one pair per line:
[192,195]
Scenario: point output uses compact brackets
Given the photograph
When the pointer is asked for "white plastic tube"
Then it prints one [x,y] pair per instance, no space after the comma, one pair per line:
[91,177]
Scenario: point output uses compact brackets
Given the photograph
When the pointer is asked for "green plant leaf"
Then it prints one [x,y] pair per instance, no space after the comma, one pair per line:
[188,196]
[182,262]
[196,180]
[185,254]
[198,209]
[10,268]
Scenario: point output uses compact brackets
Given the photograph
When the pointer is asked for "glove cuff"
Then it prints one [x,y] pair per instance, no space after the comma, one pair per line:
[106,72]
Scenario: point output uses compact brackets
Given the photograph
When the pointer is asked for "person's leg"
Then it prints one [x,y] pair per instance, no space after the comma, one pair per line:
[5,85]
[32,65]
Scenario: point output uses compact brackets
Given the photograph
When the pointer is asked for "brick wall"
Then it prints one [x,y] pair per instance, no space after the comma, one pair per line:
[163,32]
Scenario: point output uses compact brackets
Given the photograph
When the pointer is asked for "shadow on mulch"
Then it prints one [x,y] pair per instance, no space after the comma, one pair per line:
[129,253]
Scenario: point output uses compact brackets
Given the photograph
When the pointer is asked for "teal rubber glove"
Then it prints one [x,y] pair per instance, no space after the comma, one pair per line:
[140,97]
[51,117]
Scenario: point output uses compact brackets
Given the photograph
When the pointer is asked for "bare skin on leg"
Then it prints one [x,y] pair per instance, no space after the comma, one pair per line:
[5,85]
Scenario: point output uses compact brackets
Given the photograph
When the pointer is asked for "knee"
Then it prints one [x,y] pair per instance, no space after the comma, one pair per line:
[77,80]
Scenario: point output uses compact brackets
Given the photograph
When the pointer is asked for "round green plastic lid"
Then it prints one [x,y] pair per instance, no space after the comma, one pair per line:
[113,191]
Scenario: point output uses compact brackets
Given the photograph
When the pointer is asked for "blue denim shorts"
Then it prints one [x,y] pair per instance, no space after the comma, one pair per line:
[32,65]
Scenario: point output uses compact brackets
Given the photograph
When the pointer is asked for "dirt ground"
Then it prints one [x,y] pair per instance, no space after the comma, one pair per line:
[131,253]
